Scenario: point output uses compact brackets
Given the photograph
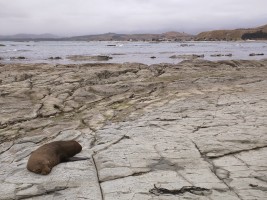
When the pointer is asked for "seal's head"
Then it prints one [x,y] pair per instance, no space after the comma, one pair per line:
[77,147]
[71,148]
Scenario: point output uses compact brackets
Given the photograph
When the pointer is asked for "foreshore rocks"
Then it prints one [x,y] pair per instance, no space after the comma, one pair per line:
[193,130]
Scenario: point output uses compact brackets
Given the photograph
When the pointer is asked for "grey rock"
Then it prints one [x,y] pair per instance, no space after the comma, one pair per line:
[193,56]
[197,123]
[18,58]
[89,58]
[55,58]
[256,54]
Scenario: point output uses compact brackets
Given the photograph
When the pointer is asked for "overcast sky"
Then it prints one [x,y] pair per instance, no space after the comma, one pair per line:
[78,17]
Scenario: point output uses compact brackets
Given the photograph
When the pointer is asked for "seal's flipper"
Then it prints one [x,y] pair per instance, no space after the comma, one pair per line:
[73,159]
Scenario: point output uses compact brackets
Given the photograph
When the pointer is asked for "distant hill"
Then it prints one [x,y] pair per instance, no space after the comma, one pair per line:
[174,36]
[23,36]
[259,33]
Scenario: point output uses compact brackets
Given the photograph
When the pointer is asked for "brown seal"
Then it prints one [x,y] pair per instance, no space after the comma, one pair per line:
[43,159]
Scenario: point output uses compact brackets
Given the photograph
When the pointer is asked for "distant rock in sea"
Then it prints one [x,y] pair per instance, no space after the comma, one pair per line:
[256,54]
[89,58]
[220,55]
[55,58]
[18,58]
[193,56]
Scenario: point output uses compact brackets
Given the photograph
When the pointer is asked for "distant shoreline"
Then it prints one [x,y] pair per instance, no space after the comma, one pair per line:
[156,41]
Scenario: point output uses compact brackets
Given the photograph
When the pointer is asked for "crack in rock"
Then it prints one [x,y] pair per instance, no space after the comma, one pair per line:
[219,173]
[111,144]
[257,187]
[75,159]
[7,149]
[133,174]
[17,121]
[237,152]
[261,178]
[198,128]
[42,193]
[98,179]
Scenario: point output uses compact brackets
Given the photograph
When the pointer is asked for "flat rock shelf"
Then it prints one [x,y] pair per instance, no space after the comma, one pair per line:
[194,130]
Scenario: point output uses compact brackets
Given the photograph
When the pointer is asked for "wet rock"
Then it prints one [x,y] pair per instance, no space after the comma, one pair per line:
[55,58]
[118,54]
[18,58]
[216,55]
[193,56]
[221,55]
[21,58]
[178,56]
[187,45]
[256,54]
[89,58]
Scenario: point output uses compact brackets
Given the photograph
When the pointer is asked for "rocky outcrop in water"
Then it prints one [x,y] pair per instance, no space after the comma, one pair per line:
[189,56]
[55,58]
[256,54]
[195,130]
[18,58]
[221,55]
[89,58]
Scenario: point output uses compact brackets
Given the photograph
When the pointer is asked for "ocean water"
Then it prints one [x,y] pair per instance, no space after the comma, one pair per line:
[129,51]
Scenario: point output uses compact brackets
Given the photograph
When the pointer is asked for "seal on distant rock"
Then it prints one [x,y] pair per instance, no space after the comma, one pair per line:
[43,159]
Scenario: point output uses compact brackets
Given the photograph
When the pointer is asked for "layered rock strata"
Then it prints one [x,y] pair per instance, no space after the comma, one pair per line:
[194,124]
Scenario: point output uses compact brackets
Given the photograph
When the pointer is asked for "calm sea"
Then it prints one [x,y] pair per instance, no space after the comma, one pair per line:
[129,51]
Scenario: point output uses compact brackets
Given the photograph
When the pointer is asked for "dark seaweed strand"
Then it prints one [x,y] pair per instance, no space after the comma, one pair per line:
[192,189]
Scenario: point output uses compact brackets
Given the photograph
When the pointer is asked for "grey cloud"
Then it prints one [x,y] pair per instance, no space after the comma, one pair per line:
[75,17]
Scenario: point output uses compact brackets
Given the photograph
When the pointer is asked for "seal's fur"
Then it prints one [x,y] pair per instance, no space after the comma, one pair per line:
[43,159]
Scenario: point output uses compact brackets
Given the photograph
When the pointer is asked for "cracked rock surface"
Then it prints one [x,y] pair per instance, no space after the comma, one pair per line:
[197,124]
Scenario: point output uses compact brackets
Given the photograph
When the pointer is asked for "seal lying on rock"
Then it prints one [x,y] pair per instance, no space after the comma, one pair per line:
[43,159]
